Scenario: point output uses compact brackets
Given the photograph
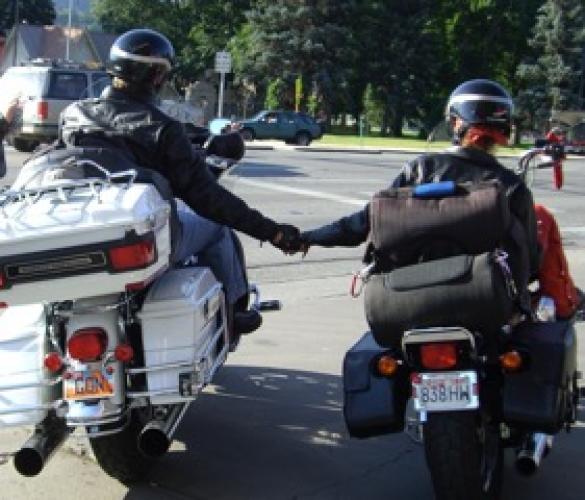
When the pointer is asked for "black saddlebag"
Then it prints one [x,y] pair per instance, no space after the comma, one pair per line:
[465,290]
[373,405]
[539,398]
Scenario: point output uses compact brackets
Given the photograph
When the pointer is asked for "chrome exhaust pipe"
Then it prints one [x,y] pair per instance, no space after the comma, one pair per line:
[35,453]
[533,450]
[155,438]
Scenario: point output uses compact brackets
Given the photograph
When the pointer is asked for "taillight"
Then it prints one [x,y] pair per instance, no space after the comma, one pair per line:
[438,356]
[43,110]
[2,280]
[135,256]
[87,344]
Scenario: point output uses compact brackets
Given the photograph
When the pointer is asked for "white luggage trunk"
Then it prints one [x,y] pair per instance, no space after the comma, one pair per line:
[56,242]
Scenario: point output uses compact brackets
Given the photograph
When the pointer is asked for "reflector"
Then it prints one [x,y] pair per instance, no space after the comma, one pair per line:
[124,353]
[135,256]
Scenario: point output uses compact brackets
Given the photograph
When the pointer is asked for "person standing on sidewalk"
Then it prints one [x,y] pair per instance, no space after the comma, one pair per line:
[8,111]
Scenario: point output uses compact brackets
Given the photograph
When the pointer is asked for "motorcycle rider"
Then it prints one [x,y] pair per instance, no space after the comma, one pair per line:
[479,114]
[126,118]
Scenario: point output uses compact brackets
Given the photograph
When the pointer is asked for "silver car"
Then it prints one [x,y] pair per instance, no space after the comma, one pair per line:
[45,89]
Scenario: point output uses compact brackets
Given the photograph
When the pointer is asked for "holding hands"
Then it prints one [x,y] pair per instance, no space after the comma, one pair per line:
[290,240]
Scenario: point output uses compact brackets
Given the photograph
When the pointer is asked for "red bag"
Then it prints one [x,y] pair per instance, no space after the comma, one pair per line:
[553,276]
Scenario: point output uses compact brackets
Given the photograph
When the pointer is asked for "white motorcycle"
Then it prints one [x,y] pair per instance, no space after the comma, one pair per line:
[97,330]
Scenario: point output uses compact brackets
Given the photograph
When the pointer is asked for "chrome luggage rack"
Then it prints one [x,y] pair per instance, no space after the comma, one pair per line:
[67,186]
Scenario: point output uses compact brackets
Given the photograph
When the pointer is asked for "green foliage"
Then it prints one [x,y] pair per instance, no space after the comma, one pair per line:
[554,77]
[275,94]
[30,12]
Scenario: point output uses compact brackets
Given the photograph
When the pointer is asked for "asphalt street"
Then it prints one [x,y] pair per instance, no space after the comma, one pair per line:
[272,426]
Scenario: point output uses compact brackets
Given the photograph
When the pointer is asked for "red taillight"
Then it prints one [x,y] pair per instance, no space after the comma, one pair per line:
[53,362]
[135,256]
[2,280]
[87,344]
[43,110]
[124,353]
[439,356]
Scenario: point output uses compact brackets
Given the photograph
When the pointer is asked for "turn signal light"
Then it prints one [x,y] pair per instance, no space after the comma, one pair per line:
[124,353]
[135,256]
[387,365]
[87,344]
[53,362]
[439,356]
[511,361]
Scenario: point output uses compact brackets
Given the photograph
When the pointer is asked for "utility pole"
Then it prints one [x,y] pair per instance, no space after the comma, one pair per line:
[16,24]
[68,34]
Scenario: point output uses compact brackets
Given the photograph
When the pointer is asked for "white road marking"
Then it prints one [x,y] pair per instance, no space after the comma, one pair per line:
[576,229]
[303,192]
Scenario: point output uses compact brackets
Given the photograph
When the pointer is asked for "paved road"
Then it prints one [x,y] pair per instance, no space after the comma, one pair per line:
[272,427]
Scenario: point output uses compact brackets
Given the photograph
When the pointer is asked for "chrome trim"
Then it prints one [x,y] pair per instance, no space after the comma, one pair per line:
[437,334]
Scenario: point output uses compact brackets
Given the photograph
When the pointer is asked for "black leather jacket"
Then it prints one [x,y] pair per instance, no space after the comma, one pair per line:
[135,126]
[457,164]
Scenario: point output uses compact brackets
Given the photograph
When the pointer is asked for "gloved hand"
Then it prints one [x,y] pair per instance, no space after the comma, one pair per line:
[227,146]
[287,239]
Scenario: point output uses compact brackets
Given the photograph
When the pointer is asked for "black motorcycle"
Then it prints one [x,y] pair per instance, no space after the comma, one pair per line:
[449,333]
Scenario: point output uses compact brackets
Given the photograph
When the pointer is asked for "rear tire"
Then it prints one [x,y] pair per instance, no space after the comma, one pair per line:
[118,454]
[303,139]
[465,459]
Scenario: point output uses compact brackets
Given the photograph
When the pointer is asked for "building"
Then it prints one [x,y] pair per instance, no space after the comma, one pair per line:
[28,42]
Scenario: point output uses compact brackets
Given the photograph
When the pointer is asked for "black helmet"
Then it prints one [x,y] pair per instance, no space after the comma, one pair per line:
[481,102]
[143,57]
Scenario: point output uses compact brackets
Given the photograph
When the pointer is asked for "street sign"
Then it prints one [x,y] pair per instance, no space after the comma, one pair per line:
[223,62]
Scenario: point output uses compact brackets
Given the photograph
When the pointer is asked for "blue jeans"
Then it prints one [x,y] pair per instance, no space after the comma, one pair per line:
[213,245]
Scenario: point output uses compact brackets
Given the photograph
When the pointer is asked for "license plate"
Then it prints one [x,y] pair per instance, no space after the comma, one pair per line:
[445,391]
[88,384]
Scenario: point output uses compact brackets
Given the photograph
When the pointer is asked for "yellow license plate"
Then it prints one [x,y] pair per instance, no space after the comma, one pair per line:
[88,384]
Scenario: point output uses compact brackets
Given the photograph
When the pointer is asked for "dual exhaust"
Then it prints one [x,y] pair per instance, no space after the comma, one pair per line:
[153,441]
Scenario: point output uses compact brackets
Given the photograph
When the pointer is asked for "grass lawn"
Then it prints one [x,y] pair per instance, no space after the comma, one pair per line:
[394,142]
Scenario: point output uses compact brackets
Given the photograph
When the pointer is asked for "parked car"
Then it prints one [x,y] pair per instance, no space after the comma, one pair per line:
[46,88]
[289,126]
[576,139]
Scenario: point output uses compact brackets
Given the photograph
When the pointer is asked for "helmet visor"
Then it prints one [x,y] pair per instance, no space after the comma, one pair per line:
[484,112]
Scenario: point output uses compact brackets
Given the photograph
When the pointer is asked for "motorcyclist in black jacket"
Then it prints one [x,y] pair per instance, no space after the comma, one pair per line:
[479,114]
[127,119]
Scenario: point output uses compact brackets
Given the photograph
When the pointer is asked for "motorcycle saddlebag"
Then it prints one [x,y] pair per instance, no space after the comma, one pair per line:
[373,405]
[539,397]
[464,290]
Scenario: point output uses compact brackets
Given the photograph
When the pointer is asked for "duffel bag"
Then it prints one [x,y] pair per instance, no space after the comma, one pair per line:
[465,290]
[473,219]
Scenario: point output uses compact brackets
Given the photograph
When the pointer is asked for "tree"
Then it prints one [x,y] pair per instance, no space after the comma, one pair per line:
[289,38]
[29,11]
[196,29]
[554,77]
